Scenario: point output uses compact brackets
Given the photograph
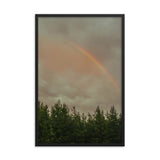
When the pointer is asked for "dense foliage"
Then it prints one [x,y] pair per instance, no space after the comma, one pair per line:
[62,126]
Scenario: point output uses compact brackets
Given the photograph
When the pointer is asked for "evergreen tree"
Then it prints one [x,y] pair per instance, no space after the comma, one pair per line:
[112,126]
[99,125]
[62,126]
[44,125]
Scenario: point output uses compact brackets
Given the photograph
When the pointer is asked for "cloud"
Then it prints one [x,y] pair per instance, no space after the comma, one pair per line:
[67,74]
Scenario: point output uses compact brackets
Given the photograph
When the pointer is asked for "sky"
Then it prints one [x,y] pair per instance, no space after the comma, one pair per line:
[79,62]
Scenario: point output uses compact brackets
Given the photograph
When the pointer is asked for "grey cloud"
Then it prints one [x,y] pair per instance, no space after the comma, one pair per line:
[99,36]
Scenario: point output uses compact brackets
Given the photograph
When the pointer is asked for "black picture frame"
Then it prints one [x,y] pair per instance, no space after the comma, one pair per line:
[122,16]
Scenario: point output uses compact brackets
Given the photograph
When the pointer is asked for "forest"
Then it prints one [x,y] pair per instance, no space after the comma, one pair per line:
[62,125]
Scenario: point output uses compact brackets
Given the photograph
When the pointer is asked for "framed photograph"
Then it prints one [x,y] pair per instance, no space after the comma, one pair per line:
[79,79]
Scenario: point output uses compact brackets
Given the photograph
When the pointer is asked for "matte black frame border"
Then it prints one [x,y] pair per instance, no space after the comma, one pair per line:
[122,79]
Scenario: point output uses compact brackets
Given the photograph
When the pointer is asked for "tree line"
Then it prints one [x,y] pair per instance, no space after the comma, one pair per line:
[63,126]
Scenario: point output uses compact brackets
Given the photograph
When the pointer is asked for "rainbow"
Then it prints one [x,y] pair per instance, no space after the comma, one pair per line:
[86,53]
